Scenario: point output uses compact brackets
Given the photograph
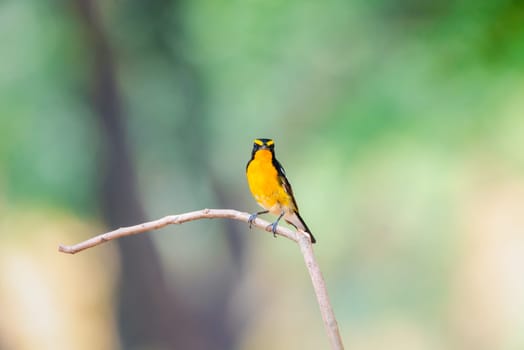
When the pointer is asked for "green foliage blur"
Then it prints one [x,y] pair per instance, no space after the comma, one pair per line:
[400,125]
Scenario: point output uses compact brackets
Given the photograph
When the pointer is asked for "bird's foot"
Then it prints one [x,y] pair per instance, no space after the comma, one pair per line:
[252,218]
[273,228]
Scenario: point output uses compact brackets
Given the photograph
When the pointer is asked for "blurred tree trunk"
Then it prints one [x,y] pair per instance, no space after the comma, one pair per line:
[149,313]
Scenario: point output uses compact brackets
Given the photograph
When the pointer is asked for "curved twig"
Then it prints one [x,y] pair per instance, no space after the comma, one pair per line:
[303,240]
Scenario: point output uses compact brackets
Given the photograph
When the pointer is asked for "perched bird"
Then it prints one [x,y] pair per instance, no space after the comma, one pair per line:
[270,187]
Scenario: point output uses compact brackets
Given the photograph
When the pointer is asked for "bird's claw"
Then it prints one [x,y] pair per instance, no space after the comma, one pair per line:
[273,228]
[252,218]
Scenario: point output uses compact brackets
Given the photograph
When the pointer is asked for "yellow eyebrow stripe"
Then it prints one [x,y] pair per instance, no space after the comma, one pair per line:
[270,143]
[258,142]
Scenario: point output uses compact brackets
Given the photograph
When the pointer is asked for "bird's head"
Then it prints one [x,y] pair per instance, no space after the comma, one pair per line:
[263,144]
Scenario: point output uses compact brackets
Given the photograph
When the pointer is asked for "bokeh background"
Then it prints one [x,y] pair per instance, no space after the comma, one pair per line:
[401,127]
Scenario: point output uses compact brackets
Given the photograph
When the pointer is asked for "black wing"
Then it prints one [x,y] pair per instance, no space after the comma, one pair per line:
[284,181]
[287,187]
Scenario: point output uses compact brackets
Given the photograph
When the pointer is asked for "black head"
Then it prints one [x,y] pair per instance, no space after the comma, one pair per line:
[259,144]
[263,144]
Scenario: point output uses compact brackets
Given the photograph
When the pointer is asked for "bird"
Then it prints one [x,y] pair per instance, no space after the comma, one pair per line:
[270,187]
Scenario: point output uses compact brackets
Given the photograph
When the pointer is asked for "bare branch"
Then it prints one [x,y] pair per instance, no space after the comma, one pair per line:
[174,220]
[302,238]
[328,315]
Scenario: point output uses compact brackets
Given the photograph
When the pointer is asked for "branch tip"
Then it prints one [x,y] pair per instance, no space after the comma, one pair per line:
[64,249]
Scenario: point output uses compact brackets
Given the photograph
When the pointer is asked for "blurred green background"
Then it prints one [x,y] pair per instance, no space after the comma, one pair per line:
[400,125]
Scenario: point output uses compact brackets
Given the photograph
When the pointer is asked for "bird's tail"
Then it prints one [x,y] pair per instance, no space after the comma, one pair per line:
[296,220]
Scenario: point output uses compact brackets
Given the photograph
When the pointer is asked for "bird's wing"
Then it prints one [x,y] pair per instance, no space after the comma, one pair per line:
[285,183]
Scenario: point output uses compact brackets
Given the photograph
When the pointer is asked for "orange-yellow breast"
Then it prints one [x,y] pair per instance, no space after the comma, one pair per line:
[265,185]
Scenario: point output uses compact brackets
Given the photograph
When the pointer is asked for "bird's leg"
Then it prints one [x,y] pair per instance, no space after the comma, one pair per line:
[275,224]
[252,217]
